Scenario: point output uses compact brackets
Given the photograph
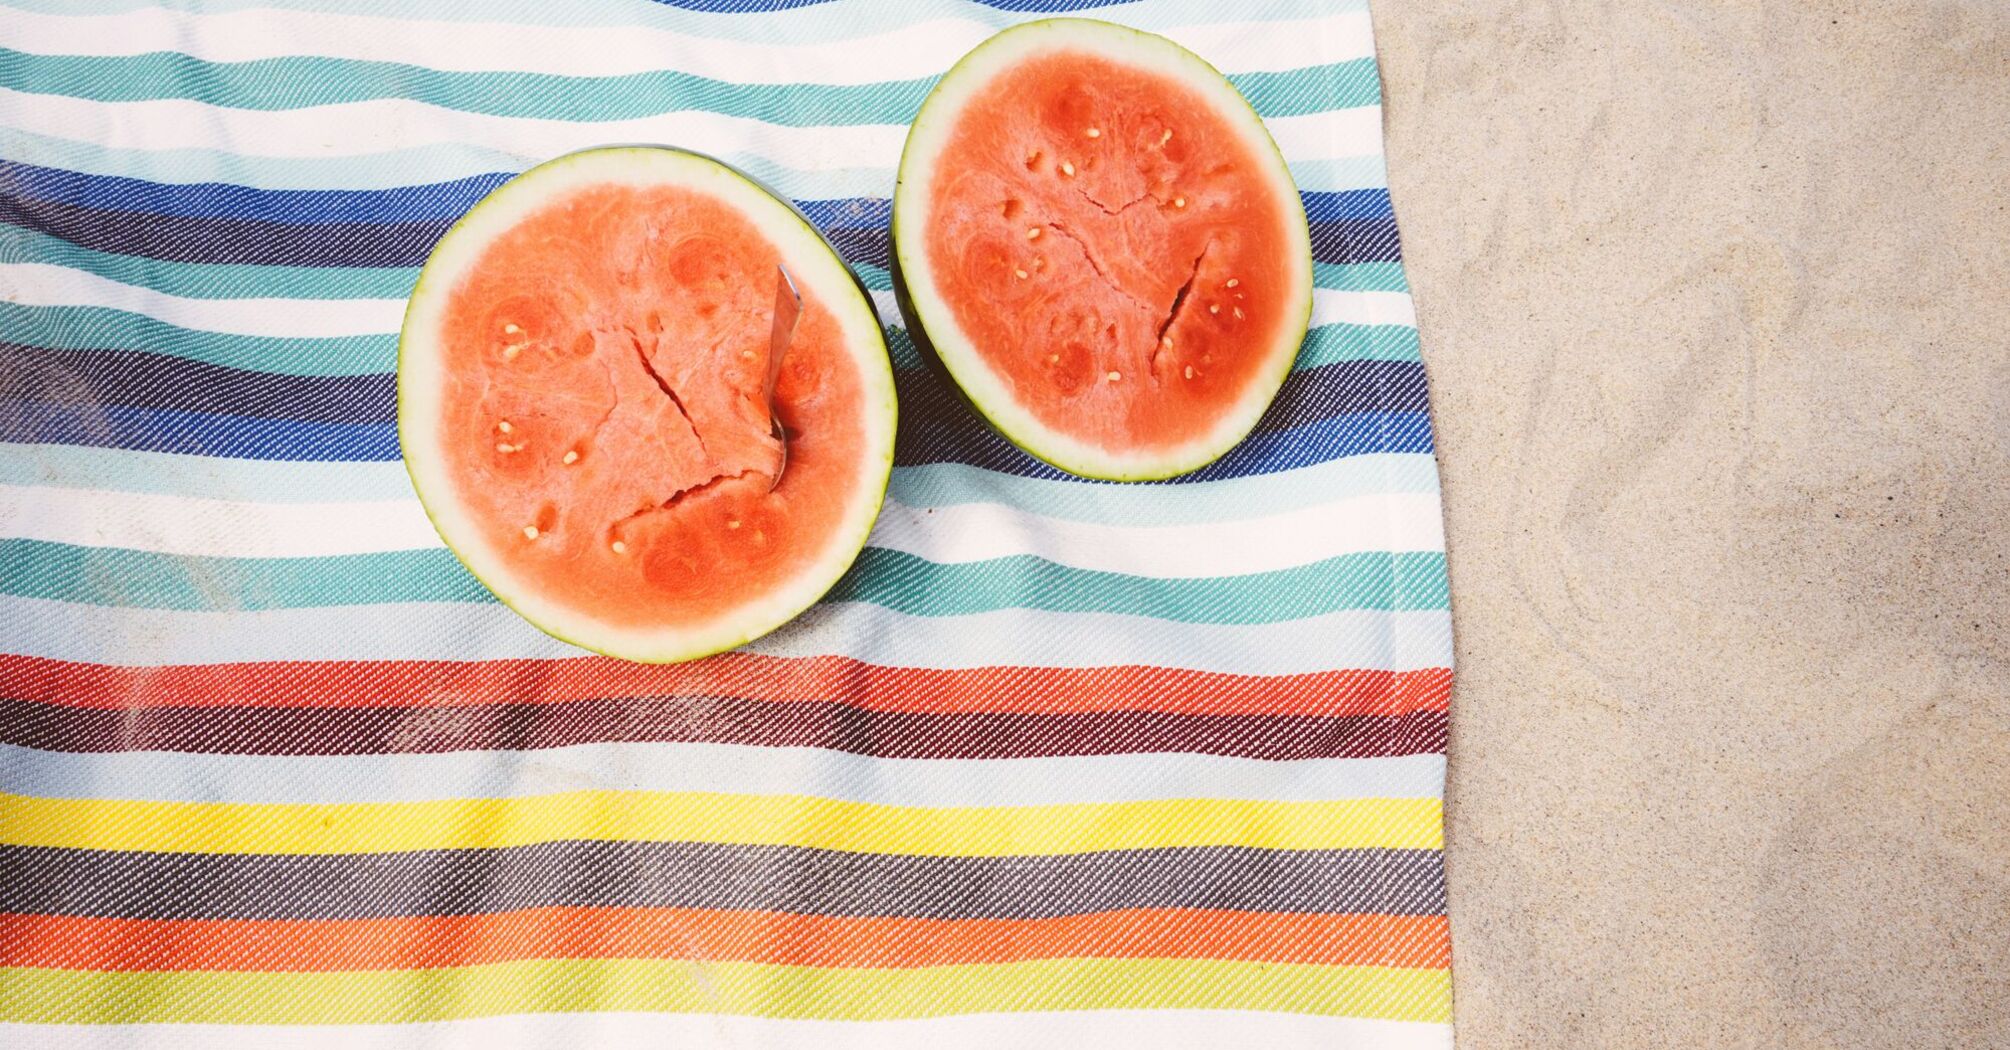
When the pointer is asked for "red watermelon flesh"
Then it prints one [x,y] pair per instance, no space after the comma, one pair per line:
[594,427]
[1106,246]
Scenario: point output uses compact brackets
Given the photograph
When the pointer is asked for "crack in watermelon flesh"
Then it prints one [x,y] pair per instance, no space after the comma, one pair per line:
[606,419]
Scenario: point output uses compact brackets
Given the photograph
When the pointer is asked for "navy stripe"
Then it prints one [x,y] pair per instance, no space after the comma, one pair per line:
[1344,241]
[1368,433]
[161,403]
[221,199]
[85,380]
[262,242]
[197,433]
[223,239]
[921,442]
[89,379]
[28,182]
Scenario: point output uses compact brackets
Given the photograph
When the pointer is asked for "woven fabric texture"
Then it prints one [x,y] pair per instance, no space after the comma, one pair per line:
[1058,761]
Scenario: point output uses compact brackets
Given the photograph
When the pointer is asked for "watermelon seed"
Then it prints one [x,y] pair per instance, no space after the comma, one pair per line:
[505,447]
[1032,233]
[503,425]
[618,547]
[734,524]
[1053,359]
[571,457]
[512,328]
[1114,376]
[530,532]
[1094,133]
[747,354]
[1165,138]
[1179,202]
[1214,308]
[1189,371]
[1021,274]
[510,351]
[1238,313]
[1067,168]
[1165,341]
[1233,281]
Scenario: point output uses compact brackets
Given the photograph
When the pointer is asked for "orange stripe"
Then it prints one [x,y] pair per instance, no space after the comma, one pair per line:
[425,942]
[414,683]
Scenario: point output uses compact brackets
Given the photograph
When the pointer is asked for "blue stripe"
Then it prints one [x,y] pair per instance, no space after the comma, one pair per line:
[419,203]
[197,433]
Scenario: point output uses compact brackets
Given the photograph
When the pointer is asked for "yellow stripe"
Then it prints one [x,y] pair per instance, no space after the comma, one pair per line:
[574,985]
[222,827]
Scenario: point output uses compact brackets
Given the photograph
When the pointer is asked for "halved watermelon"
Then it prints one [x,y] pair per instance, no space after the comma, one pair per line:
[1099,241]
[582,404]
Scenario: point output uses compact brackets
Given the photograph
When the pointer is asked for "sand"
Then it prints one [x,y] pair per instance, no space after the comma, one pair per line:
[1715,300]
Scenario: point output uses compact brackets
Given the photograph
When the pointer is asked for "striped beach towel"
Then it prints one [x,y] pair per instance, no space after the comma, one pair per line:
[1058,763]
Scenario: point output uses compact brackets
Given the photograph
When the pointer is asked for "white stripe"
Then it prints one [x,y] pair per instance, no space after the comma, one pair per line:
[979,531]
[888,309]
[725,768]
[381,125]
[212,528]
[964,532]
[1330,306]
[44,284]
[1104,1029]
[1354,638]
[41,284]
[911,52]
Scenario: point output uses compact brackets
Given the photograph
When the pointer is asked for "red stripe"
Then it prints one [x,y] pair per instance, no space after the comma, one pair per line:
[423,942]
[435,683]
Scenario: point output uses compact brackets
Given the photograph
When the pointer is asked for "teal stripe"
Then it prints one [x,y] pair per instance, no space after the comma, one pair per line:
[1339,174]
[1381,580]
[810,25]
[103,328]
[415,166]
[876,278]
[301,81]
[201,477]
[1360,277]
[1333,343]
[238,281]
[926,485]
[98,328]
[210,280]
[1343,277]
[422,165]
[896,580]
[900,348]
[1347,639]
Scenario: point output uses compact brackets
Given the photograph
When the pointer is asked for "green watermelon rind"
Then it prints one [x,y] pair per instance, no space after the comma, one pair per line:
[928,320]
[881,377]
